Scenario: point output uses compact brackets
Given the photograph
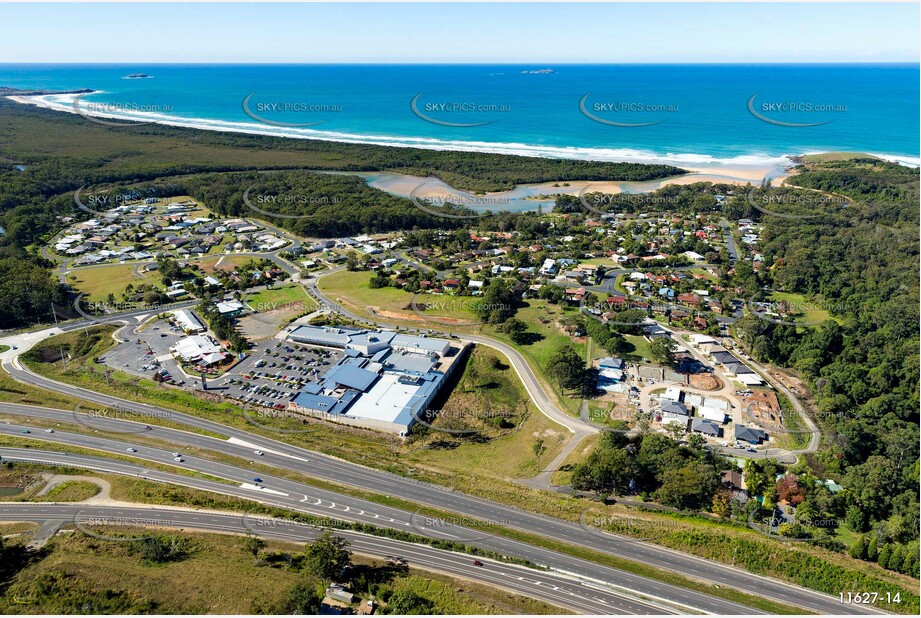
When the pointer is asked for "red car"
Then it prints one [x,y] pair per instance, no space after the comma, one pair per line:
[477,563]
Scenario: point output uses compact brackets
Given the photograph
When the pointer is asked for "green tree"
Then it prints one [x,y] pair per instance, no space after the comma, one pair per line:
[162,548]
[856,519]
[539,449]
[689,487]
[859,548]
[883,558]
[304,598]
[566,367]
[516,329]
[328,556]
[497,304]
[896,558]
[872,549]
[662,350]
[351,261]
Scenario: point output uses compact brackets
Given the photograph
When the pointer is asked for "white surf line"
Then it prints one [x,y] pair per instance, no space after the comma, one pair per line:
[256,447]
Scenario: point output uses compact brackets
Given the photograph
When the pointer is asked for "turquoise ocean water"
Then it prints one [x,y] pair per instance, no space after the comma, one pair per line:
[692,114]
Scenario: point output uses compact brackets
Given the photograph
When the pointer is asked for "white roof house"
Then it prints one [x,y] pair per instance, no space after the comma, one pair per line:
[672,393]
[712,414]
[698,340]
[549,267]
[750,379]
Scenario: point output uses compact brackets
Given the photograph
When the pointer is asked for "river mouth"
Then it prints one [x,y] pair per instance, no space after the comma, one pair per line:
[542,196]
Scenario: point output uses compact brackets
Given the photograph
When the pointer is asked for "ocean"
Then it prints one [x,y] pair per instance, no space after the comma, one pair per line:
[693,115]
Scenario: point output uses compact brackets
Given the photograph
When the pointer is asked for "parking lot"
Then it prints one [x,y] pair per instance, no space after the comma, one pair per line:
[274,372]
[140,353]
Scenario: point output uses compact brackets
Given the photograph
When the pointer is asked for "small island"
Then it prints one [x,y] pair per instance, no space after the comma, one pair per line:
[138,76]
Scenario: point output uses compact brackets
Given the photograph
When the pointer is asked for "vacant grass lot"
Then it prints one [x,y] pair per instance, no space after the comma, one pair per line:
[97,282]
[289,295]
[221,262]
[392,304]
[803,310]
[542,319]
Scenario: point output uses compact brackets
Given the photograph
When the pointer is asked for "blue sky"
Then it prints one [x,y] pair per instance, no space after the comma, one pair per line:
[455,33]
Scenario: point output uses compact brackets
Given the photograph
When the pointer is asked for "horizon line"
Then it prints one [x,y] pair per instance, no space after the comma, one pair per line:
[489,63]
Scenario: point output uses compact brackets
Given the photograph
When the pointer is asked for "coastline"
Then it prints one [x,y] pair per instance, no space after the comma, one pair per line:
[739,170]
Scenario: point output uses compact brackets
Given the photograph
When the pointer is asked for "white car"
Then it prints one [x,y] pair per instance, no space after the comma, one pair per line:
[176,455]
[177,459]
[49,431]
[131,449]
[260,453]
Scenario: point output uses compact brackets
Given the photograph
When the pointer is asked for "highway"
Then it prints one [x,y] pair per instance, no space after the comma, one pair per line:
[295,496]
[319,466]
[554,588]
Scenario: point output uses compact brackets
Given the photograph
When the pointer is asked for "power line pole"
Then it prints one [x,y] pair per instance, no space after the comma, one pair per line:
[55,314]
[63,360]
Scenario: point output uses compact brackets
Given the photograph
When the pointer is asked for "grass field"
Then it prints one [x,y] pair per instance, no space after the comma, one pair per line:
[803,310]
[288,295]
[835,156]
[98,282]
[541,318]
[640,348]
[391,304]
